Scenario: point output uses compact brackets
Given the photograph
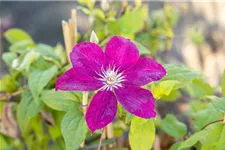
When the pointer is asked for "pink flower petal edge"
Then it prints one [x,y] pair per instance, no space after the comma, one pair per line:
[102,110]
[79,79]
[144,71]
[137,101]
[87,55]
[121,52]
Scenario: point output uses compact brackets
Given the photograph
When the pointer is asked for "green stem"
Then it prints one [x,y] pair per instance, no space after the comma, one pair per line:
[212,123]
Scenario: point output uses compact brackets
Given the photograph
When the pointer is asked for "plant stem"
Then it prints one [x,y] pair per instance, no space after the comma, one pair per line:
[100,142]
[84,107]
[85,102]
[109,131]
[224,118]
[6,96]
[74,26]
[211,123]
[67,37]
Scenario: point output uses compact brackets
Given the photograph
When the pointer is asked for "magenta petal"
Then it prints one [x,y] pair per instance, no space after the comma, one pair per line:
[137,101]
[143,72]
[102,110]
[78,78]
[87,55]
[121,52]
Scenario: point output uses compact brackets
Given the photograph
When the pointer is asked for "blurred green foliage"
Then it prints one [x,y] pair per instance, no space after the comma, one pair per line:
[196,36]
[53,120]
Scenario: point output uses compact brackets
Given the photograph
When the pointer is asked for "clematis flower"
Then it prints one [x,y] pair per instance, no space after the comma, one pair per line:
[117,74]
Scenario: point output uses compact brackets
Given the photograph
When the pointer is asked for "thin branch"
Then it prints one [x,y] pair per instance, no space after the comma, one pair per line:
[100,142]
[6,96]
[212,123]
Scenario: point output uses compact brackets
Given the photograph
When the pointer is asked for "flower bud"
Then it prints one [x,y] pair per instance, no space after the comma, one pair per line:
[94,38]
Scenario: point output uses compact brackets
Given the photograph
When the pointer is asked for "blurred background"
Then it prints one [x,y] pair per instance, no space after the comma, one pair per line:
[198,38]
[199,34]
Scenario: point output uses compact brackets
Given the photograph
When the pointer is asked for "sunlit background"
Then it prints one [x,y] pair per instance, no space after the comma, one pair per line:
[198,37]
[198,22]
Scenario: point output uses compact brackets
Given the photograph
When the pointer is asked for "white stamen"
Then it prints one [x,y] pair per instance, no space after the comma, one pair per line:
[111,78]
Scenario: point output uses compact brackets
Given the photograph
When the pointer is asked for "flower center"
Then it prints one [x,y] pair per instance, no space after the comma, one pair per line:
[111,78]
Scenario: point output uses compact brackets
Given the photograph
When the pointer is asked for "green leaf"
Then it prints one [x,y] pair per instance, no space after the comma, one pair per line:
[4,144]
[158,18]
[213,137]
[46,51]
[173,96]
[22,46]
[196,36]
[15,35]
[211,140]
[223,83]
[142,134]
[40,64]
[129,117]
[8,84]
[172,16]
[29,58]
[112,28]
[27,109]
[8,58]
[99,13]
[94,146]
[118,128]
[179,73]
[120,148]
[175,146]
[60,53]
[137,3]
[58,144]
[221,143]
[192,140]
[219,104]
[128,22]
[55,131]
[74,129]
[89,3]
[59,100]
[164,88]
[173,127]
[84,9]
[142,49]
[198,136]
[205,116]
[199,88]
[38,79]
[197,105]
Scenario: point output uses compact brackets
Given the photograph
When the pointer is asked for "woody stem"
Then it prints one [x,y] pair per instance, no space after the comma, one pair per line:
[100,142]
[224,118]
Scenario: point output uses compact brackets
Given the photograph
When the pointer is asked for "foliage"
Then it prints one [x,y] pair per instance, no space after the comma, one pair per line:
[142,133]
[196,36]
[45,116]
[173,127]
